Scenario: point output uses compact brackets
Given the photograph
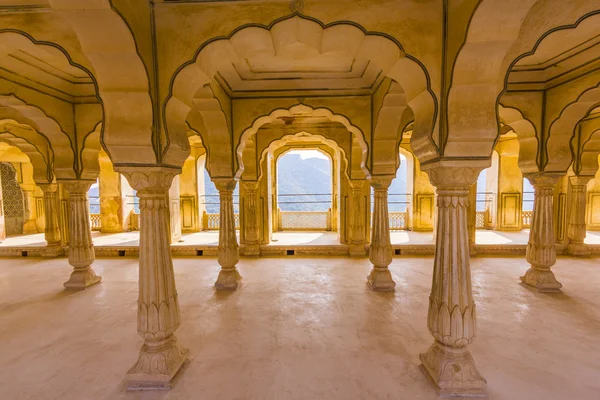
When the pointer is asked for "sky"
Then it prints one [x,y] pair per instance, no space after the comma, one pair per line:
[304,154]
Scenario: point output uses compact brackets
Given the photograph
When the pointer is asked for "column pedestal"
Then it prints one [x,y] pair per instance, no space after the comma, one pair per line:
[229,278]
[380,251]
[161,356]
[52,230]
[81,249]
[576,228]
[357,245]
[541,248]
[451,317]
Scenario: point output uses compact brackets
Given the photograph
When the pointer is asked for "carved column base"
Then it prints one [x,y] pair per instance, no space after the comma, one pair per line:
[252,250]
[82,278]
[357,250]
[157,365]
[578,250]
[53,251]
[541,279]
[30,227]
[452,371]
[229,279]
[380,280]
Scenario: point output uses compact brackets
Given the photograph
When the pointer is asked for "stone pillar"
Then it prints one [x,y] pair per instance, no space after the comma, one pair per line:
[251,227]
[175,211]
[81,249]
[451,317]
[576,229]
[380,251]
[158,318]
[30,225]
[472,218]
[541,248]
[228,256]
[52,229]
[356,238]
[2,222]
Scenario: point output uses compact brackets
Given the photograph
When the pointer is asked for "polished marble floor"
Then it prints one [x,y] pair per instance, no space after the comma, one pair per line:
[299,328]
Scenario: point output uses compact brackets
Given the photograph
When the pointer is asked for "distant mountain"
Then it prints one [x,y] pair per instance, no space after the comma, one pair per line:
[305,185]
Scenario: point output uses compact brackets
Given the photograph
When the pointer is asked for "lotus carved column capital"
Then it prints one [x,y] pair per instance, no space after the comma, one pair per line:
[149,180]
[77,187]
[449,177]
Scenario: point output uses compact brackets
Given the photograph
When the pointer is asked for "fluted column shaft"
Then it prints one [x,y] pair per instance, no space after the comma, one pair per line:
[380,251]
[81,249]
[228,255]
[356,245]
[576,228]
[251,227]
[158,317]
[541,248]
[451,316]
[52,229]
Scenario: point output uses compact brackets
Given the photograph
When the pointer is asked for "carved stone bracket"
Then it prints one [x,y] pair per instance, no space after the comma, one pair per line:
[161,356]
[81,249]
[452,314]
[229,278]
[380,251]
[541,248]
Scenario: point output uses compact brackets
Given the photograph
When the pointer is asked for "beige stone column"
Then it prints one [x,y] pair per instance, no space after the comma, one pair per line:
[252,232]
[30,225]
[158,317]
[228,256]
[451,318]
[380,251]
[81,249]
[175,211]
[472,218]
[576,228]
[356,239]
[541,248]
[52,230]
[2,221]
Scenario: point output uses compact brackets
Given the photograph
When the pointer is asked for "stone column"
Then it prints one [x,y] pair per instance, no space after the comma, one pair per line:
[228,256]
[175,211]
[451,318]
[472,218]
[576,229]
[52,230]
[380,251]
[541,248]
[158,318]
[251,227]
[30,225]
[81,249]
[356,238]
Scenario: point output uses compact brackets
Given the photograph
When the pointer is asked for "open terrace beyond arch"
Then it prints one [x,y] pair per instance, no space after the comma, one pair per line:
[299,199]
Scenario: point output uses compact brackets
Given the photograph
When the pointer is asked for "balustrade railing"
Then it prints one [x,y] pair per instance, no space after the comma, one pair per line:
[526,217]
[304,220]
[480,219]
[398,221]
[212,221]
[95,222]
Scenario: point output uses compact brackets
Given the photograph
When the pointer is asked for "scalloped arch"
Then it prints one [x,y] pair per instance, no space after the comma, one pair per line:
[526,134]
[304,110]
[344,37]
[562,129]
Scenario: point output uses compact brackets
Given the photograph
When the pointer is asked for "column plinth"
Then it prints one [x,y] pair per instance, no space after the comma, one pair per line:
[81,249]
[380,251]
[228,253]
[541,248]
[357,245]
[451,317]
[52,229]
[576,228]
[161,356]
[252,231]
